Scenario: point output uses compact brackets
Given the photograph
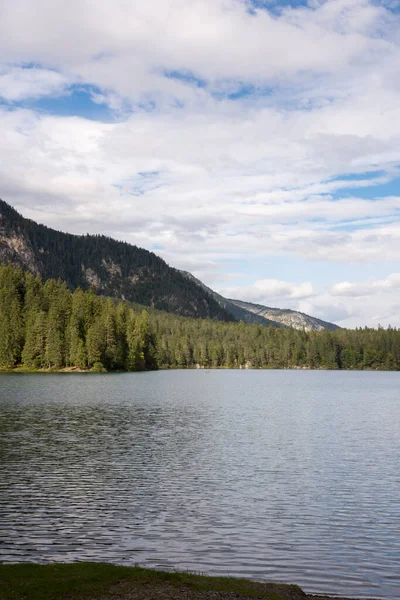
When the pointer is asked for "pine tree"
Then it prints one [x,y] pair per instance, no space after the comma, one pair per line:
[135,358]
[96,344]
[54,340]
[11,324]
[34,352]
[110,330]
[121,350]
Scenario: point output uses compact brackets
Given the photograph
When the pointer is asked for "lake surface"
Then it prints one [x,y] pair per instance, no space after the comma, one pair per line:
[285,475]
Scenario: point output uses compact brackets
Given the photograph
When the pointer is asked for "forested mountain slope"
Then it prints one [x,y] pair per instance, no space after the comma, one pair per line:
[114,268]
[125,271]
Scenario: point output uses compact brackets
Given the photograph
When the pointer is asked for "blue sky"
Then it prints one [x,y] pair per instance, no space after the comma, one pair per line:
[254,143]
[75,101]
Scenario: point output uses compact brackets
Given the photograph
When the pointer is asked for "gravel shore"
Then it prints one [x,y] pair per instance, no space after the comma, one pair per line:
[166,591]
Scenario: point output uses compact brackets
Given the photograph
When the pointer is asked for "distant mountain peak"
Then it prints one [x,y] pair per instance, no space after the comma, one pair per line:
[286,317]
[264,315]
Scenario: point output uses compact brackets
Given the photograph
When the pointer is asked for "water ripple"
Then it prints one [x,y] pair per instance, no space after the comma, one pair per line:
[291,476]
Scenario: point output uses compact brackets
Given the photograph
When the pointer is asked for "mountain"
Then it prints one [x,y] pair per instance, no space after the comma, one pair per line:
[114,268]
[264,315]
[125,271]
[285,317]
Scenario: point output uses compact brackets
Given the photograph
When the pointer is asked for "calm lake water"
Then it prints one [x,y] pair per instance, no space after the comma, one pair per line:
[285,475]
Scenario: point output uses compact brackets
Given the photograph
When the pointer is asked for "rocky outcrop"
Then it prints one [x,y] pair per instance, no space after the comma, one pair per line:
[285,317]
[16,250]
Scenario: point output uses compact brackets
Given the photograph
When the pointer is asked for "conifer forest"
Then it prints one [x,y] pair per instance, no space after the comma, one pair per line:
[46,326]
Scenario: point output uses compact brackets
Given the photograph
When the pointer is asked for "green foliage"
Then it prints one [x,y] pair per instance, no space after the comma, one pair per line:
[98,368]
[33,354]
[47,326]
[189,343]
[11,323]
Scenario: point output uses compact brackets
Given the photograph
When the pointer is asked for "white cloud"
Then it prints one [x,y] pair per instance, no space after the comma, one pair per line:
[265,290]
[126,46]
[367,288]
[373,302]
[17,83]
[183,167]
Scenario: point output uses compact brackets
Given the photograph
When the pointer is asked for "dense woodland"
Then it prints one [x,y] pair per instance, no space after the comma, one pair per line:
[46,326]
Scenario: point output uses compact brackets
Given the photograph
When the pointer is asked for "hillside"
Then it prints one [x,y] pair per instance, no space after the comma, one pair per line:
[264,315]
[114,268]
[121,270]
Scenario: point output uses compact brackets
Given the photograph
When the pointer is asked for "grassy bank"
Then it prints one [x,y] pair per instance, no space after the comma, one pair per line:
[105,581]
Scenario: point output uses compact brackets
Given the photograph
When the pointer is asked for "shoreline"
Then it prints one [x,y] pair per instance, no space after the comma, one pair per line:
[22,369]
[105,581]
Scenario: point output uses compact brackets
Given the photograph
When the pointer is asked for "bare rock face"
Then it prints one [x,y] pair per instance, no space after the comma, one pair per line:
[16,250]
[91,277]
[111,268]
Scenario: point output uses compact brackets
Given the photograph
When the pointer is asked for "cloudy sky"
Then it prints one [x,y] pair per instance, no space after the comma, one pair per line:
[255,143]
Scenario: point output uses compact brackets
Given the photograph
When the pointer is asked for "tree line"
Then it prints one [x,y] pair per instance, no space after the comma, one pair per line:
[47,326]
[194,342]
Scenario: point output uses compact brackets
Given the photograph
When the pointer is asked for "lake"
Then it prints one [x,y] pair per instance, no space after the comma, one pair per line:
[291,476]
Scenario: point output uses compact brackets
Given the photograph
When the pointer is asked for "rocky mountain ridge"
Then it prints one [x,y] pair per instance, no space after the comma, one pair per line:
[264,315]
[285,317]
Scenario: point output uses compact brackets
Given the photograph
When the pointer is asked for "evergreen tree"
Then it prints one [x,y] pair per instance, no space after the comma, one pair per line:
[11,323]
[110,330]
[34,352]
[96,344]
[135,358]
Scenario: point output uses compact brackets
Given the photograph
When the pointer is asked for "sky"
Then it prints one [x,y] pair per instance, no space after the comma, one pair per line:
[255,144]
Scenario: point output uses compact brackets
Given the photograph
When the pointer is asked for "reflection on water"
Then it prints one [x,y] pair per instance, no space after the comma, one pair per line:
[282,475]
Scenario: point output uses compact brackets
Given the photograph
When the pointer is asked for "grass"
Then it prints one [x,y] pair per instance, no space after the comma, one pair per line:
[91,580]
